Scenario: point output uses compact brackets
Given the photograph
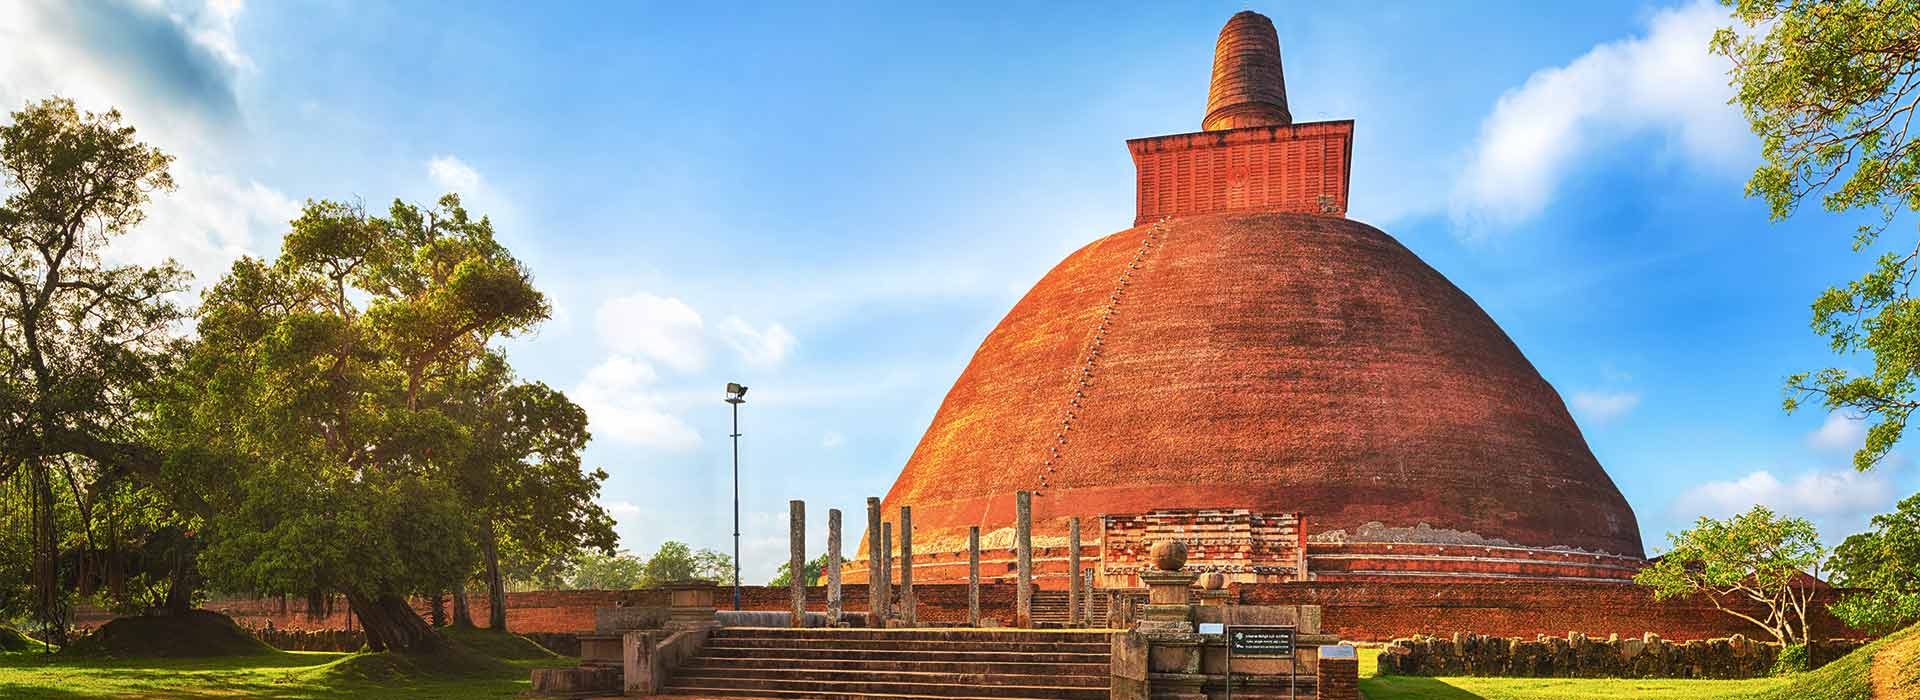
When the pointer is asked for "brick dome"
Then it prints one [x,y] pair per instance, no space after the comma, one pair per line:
[1279,362]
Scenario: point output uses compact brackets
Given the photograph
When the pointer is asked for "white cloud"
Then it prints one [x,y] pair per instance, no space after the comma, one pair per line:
[1664,82]
[832,440]
[663,329]
[762,348]
[671,332]
[1839,432]
[206,223]
[1838,493]
[1604,406]
[622,407]
[453,174]
[171,68]
[618,509]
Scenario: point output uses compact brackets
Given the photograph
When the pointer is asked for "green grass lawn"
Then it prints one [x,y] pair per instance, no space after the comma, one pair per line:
[281,675]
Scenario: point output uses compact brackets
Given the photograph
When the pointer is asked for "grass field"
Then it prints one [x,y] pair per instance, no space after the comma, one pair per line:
[484,668]
[493,666]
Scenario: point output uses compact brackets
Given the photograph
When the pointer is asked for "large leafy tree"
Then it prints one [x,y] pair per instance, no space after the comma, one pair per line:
[321,411]
[1884,561]
[1832,89]
[80,340]
[1753,559]
[522,475]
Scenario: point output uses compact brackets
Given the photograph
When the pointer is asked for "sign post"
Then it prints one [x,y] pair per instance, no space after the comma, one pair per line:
[1262,641]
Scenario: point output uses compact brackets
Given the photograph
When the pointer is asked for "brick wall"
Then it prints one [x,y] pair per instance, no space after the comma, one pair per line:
[1296,168]
[1357,610]
[1375,611]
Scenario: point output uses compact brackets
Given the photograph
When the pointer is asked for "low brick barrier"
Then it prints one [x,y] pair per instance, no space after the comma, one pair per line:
[1579,656]
[311,640]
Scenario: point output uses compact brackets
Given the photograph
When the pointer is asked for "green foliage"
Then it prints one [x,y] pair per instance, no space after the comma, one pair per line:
[815,569]
[1752,557]
[1886,562]
[608,572]
[80,340]
[1793,659]
[343,425]
[1831,88]
[677,562]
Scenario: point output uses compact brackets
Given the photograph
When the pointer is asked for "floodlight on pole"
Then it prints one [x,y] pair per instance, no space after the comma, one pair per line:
[736,395]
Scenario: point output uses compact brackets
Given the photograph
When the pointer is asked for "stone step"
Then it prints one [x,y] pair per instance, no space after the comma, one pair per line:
[942,634]
[813,694]
[1081,668]
[792,687]
[960,674]
[912,645]
[944,656]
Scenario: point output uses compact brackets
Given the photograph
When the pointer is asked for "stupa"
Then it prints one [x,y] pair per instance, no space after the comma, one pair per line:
[1294,393]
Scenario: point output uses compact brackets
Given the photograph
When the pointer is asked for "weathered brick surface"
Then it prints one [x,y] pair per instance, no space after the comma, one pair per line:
[1356,610]
[1338,679]
[1283,363]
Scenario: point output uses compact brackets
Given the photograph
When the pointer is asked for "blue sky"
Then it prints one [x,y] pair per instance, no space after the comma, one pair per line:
[833,203]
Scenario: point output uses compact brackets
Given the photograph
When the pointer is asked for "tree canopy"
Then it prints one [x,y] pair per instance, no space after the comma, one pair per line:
[1886,562]
[1755,558]
[1832,89]
[81,341]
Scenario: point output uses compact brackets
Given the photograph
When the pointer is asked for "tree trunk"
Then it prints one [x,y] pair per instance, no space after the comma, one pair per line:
[46,556]
[437,615]
[462,617]
[392,625]
[496,588]
[180,589]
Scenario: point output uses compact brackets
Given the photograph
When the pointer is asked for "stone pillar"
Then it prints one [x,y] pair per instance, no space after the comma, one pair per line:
[886,571]
[797,562]
[1086,596]
[973,576]
[1023,547]
[909,607]
[834,603]
[876,598]
[1073,572]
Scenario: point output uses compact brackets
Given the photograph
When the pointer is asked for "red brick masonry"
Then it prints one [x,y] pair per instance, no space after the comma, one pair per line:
[1355,610]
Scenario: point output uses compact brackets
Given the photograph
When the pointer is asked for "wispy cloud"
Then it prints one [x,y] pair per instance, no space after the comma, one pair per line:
[1833,494]
[1663,82]
[1839,432]
[622,406]
[1602,407]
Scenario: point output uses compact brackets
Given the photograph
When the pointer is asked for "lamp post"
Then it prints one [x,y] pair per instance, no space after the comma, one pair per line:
[736,395]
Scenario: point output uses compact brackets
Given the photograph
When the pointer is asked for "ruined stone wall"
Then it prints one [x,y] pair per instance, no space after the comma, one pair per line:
[1579,656]
[1355,610]
[1376,611]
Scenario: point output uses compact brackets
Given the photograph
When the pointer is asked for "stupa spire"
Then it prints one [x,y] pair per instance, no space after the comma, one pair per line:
[1248,86]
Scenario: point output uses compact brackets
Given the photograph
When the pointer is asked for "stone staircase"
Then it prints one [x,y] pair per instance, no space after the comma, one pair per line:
[864,664]
[1050,608]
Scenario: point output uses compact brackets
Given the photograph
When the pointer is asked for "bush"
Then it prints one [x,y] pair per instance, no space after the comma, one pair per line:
[1793,659]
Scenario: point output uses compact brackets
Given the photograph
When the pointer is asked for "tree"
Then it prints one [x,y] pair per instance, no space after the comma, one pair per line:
[522,474]
[1886,562]
[1752,558]
[80,340]
[1831,88]
[677,562]
[607,572]
[322,415]
[784,576]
